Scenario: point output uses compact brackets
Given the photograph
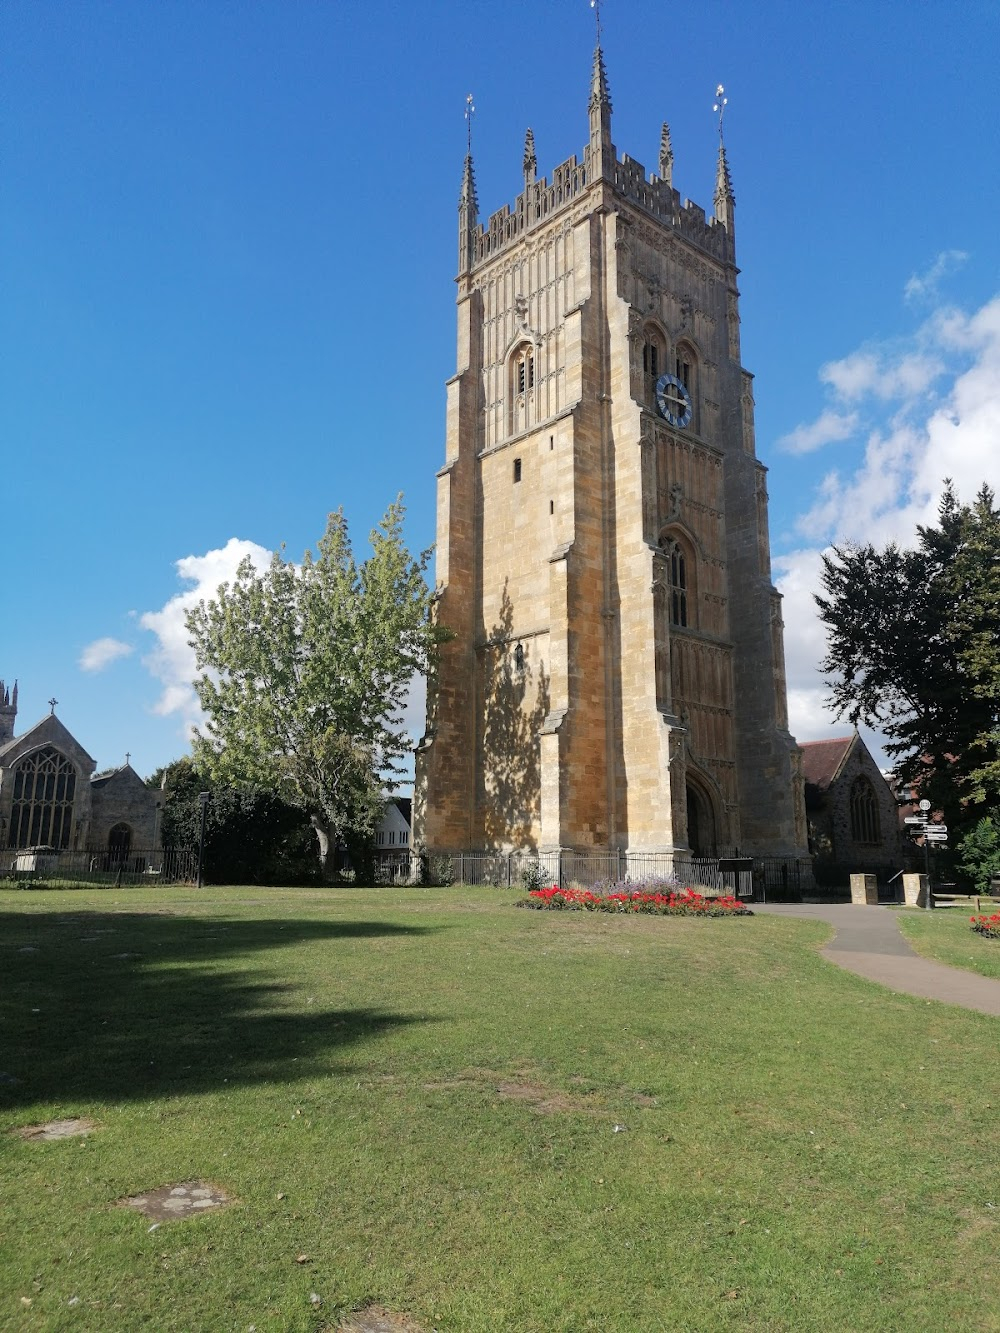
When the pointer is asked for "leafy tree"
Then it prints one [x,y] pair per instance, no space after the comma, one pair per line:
[912,650]
[251,835]
[305,671]
[979,853]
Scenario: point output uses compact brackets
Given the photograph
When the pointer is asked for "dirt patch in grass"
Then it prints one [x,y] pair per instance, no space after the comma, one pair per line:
[373,1319]
[56,1129]
[169,1202]
[516,1088]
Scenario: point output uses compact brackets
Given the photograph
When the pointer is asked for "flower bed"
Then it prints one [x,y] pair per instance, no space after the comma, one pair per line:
[986,925]
[628,898]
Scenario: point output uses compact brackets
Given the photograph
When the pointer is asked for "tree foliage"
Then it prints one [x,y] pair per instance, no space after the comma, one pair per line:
[305,671]
[979,854]
[913,650]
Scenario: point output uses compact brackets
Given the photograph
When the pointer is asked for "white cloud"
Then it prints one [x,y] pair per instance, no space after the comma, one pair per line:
[896,484]
[172,661]
[883,373]
[828,427]
[101,653]
[924,286]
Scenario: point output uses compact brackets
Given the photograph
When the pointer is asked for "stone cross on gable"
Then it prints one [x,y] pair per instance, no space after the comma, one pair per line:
[52,706]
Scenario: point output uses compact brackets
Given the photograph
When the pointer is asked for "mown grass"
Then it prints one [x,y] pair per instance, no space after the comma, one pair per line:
[417,1090]
[946,936]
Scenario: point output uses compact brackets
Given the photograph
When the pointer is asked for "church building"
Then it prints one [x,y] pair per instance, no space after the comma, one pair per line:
[50,797]
[616,677]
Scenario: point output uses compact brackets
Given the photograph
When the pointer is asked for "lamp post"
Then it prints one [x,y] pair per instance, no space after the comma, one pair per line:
[203,802]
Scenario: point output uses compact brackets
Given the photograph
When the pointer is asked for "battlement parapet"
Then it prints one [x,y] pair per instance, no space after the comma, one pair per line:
[541,200]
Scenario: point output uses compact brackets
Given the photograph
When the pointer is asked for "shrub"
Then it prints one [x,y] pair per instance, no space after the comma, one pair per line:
[532,876]
[442,871]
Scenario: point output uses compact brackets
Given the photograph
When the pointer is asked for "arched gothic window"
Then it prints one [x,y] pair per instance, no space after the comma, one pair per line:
[44,788]
[678,585]
[520,387]
[677,580]
[865,823]
[685,368]
[654,361]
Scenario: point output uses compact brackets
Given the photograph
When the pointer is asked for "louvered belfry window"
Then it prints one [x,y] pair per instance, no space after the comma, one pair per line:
[44,788]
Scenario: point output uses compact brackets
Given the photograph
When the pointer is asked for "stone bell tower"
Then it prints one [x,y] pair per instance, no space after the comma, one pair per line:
[616,676]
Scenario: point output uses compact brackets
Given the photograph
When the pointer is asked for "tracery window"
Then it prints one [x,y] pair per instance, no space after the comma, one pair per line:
[520,386]
[678,578]
[654,360]
[685,369]
[44,788]
[865,823]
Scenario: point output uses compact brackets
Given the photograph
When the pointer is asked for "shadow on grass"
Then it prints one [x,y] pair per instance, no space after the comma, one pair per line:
[125,1006]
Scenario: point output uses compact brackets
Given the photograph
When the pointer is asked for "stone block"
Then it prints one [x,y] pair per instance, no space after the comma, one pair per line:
[864,890]
[915,890]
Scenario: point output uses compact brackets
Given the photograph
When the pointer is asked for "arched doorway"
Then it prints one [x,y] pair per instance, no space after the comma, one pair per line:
[701,822]
[119,842]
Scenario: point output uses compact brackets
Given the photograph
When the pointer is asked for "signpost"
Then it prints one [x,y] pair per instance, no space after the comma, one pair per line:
[921,826]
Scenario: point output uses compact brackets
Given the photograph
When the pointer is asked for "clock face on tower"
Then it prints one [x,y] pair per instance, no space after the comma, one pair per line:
[673,400]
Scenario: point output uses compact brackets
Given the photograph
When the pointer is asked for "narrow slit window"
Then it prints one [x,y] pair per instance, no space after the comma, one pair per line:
[678,587]
[517,469]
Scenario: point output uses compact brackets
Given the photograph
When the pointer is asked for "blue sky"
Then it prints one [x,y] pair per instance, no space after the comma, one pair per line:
[227,245]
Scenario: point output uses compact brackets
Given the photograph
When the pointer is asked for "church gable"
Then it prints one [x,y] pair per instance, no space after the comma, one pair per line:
[852,812]
[50,731]
[49,798]
[125,812]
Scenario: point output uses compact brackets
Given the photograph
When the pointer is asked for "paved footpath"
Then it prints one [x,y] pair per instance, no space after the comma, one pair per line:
[869,942]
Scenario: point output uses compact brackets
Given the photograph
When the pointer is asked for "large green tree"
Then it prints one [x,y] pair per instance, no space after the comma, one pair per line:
[305,670]
[913,649]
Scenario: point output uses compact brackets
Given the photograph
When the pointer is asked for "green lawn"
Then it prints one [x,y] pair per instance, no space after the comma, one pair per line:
[945,936]
[418,1091]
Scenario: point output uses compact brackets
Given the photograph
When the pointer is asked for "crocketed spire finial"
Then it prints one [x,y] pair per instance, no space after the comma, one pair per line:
[530,160]
[666,156]
[600,96]
[725,200]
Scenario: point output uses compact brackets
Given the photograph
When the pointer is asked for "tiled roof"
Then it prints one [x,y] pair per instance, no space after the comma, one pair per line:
[821,760]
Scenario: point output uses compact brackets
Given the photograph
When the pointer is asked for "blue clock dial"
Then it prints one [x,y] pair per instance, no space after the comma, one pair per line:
[673,400]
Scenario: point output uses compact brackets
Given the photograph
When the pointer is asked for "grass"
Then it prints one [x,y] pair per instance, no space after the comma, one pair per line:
[945,935]
[417,1090]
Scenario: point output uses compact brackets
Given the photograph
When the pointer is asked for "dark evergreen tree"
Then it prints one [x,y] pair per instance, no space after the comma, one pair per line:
[251,835]
[913,651]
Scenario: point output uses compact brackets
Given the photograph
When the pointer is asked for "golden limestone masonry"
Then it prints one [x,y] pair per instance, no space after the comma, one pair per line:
[616,677]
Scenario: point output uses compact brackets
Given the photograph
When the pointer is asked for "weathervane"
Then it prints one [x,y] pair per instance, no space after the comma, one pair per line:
[596,7]
[720,106]
[470,111]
